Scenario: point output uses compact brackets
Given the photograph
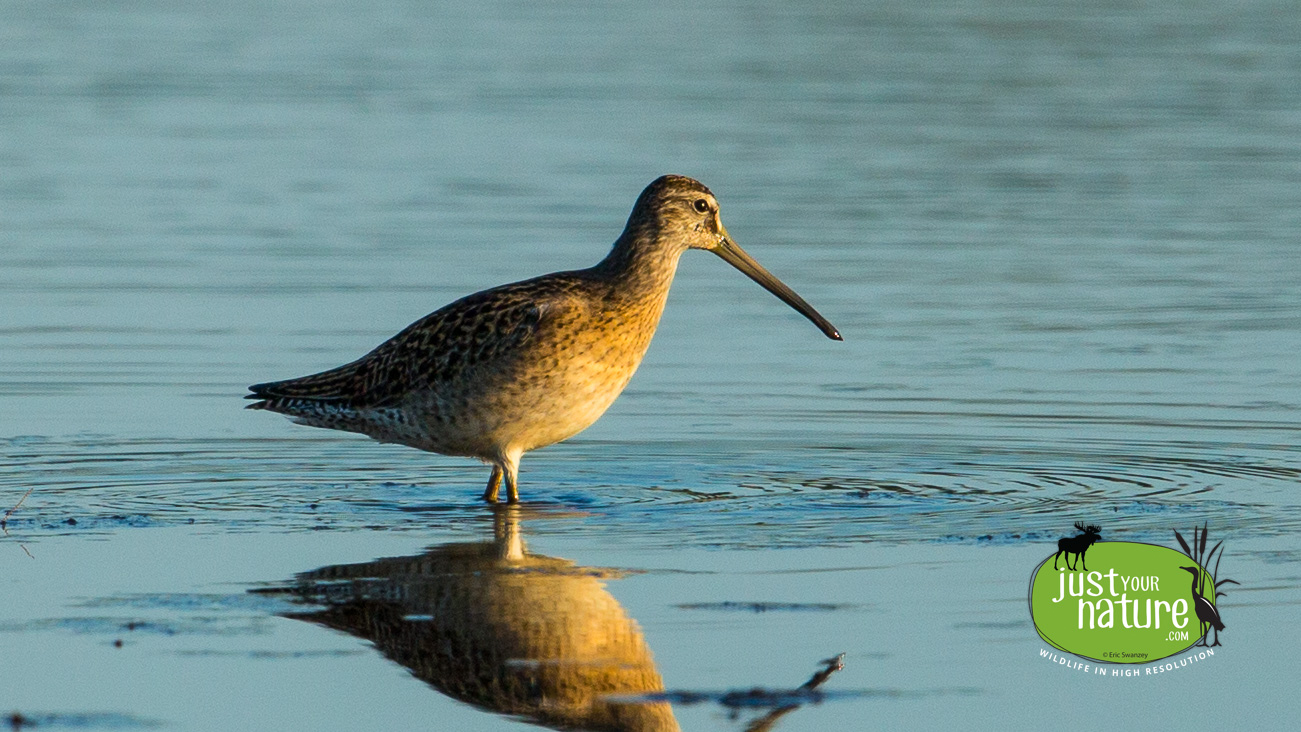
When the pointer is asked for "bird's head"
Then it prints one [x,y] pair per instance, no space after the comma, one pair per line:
[680,213]
[1194,570]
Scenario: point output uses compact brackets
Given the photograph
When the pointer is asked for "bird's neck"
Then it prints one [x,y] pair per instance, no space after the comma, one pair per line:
[639,267]
[635,278]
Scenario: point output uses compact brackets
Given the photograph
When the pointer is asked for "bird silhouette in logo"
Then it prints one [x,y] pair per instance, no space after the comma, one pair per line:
[1206,612]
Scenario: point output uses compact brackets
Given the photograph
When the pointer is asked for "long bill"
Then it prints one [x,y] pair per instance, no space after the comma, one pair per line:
[736,256]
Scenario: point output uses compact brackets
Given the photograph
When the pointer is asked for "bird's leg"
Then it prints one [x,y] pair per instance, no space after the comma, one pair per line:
[511,466]
[494,485]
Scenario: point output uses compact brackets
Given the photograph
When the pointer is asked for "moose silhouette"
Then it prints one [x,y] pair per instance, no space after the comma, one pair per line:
[1077,545]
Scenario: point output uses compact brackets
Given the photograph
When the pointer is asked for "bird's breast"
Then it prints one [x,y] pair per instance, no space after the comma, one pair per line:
[576,370]
[559,382]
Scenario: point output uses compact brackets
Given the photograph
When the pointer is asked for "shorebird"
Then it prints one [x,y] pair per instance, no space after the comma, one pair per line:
[1207,615]
[525,365]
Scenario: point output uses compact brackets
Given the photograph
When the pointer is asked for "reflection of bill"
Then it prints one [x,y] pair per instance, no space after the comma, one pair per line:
[494,626]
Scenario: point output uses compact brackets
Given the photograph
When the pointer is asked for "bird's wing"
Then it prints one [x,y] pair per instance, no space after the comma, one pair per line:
[483,329]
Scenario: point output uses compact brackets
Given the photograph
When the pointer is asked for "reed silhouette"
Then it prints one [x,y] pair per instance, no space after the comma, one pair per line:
[1208,613]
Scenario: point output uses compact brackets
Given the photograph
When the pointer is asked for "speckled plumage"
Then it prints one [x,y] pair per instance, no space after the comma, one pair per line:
[525,365]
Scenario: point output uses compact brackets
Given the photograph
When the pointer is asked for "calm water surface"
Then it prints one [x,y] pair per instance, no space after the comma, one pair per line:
[1060,241]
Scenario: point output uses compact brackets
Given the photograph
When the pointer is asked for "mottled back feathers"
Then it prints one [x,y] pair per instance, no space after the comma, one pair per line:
[483,329]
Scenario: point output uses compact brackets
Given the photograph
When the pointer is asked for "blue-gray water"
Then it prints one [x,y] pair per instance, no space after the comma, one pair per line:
[1060,240]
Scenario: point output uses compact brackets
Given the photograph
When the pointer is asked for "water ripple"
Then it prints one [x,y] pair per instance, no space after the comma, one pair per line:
[719,493]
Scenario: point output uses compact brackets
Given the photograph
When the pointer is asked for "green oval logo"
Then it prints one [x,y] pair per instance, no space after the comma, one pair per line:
[1136,603]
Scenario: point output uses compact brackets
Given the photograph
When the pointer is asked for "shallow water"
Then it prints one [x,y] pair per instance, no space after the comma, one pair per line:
[1060,243]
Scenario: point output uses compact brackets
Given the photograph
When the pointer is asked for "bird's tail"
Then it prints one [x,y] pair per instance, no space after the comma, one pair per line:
[327,392]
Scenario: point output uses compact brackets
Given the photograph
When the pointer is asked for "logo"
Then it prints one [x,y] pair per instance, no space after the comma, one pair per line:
[1139,603]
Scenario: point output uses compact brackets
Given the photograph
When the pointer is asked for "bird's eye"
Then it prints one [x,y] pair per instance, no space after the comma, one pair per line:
[701,205]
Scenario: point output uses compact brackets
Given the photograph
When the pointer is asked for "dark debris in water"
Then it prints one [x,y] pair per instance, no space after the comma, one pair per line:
[110,521]
[1000,539]
[785,700]
[769,706]
[191,601]
[993,625]
[276,655]
[756,698]
[760,698]
[87,720]
[118,626]
[764,607]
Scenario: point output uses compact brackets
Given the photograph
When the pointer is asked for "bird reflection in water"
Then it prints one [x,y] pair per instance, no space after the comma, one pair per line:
[492,625]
